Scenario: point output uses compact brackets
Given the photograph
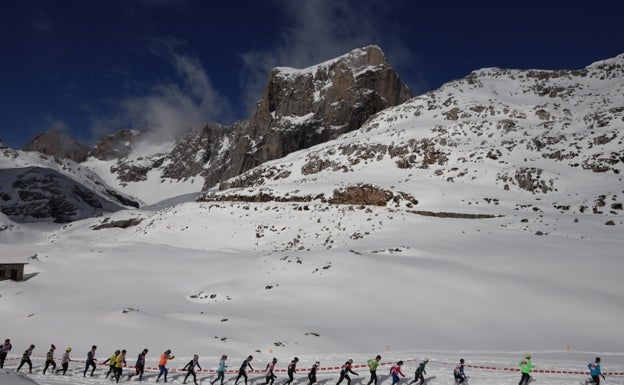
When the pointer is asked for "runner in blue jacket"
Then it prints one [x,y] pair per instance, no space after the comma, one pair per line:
[220,370]
[595,372]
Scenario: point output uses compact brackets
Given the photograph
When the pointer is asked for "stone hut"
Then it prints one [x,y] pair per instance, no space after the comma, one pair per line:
[14,271]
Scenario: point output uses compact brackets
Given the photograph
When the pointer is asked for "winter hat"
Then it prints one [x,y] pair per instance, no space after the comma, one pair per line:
[52,347]
[68,349]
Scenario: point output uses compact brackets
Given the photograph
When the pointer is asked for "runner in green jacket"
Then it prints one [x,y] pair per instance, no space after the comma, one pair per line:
[372,366]
[525,367]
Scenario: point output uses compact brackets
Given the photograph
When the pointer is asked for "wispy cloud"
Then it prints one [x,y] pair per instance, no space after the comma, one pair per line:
[169,109]
[318,30]
[54,124]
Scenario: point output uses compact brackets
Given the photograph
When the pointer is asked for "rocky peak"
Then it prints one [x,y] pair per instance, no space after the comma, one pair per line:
[59,144]
[304,107]
[115,146]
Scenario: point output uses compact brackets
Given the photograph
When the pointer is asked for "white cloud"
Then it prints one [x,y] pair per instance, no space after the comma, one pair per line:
[170,108]
[54,124]
[319,30]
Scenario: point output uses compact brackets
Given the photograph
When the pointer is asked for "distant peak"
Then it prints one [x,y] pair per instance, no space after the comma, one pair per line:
[56,142]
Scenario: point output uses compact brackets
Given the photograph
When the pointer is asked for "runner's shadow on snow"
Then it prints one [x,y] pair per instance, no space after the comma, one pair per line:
[206,378]
[428,379]
[363,380]
[146,376]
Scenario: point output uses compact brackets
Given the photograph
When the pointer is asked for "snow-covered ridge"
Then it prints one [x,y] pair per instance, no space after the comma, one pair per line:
[39,187]
[356,59]
[15,159]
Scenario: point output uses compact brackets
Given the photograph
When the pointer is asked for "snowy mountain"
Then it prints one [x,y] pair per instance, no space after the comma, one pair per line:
[59,144]
[537,140]
[36,187]
[482,220]
[299,108]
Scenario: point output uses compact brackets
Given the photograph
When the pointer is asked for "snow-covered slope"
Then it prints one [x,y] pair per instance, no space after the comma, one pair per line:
[151,187]
[501,234]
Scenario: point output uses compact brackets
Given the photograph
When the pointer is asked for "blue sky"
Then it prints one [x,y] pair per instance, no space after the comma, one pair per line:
[93,67]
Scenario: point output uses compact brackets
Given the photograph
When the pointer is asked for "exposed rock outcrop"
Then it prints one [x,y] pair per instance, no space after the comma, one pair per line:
[115,146]
[302,108]
[58,144]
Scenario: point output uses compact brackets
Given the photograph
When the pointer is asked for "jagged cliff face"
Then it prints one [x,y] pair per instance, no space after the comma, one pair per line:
[58,144]
[116,146]
[191,154]
[302,108]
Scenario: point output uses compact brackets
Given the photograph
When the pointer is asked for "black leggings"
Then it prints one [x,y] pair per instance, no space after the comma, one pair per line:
[373,378]
[25,361]
[63,368]
[47,364]
[344,375]
[2,358]
[92,365]
[418,376]
[139,369]
[241,373]
[524,379]
[191,372]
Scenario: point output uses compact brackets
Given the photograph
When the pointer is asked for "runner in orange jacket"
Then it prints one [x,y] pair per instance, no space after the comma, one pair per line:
[162,364]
